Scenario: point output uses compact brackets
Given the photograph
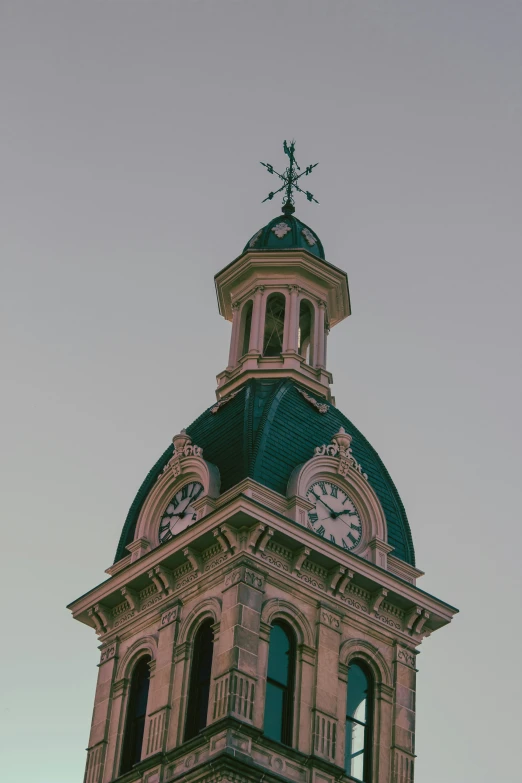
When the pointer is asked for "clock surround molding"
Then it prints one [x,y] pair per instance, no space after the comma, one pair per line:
[324,467]
[185,465]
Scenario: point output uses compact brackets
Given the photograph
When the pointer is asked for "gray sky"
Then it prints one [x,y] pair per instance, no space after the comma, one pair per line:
[131,136]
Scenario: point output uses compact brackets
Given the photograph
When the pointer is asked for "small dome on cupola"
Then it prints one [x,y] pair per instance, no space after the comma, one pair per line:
[286,232]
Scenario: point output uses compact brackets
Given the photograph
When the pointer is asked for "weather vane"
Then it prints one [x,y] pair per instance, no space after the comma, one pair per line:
[290,179]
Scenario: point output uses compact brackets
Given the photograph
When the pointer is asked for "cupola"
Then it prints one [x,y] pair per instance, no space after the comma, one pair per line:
[282,297]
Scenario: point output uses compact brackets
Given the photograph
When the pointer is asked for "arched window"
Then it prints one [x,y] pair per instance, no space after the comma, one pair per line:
[358,722]
[246,327]
[136,714]
[280,678]
[274,325]
[306,323]
[199,688]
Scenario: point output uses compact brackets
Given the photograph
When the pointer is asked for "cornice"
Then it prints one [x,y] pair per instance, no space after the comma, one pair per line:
[376,594]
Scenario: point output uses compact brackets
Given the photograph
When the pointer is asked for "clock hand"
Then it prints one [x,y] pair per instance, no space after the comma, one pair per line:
[332,512]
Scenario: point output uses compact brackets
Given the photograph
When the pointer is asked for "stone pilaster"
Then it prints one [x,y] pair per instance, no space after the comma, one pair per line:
[324,712]
[403,739]
[101,714]
[234,690]
[161,685]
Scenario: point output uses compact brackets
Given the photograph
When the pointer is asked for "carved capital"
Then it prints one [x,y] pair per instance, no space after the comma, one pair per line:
[407,657]
[171,615]
[330,618]
[107,653]
[246,575]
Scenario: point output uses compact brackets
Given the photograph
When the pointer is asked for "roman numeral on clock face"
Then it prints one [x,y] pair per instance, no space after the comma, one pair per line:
[320,531]
[312,517]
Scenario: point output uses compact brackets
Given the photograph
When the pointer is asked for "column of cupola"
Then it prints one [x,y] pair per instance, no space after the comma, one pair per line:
[256,333]
[233,355]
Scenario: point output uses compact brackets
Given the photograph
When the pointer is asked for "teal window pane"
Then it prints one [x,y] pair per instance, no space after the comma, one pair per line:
[357,692]
[279,658]
[280,684]
[274,710]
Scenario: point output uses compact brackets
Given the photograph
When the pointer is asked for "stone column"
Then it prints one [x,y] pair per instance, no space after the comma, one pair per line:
[320,338]
[324,713]
[235,687]
[292,320]
[234,337]
[158,707]
[403,729]
[98,738]
[257,331]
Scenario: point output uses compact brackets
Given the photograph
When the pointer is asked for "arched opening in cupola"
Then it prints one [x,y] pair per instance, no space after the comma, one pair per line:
[246,327]
[306,330]
[274,325]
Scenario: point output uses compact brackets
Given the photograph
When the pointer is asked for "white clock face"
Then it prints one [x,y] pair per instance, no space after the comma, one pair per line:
[334,516]
[180,513]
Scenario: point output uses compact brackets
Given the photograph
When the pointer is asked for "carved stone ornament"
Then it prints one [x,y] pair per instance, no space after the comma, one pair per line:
[340,447]
[322,407]
[281,229]
[255,238]
[215,408]
[183,446]
[311,240]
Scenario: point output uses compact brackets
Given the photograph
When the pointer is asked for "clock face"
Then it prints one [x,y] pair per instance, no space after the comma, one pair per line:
[180,513]
[334,516]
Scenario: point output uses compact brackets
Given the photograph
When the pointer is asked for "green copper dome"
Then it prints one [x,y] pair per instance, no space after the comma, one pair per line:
[264,432]
[286,232]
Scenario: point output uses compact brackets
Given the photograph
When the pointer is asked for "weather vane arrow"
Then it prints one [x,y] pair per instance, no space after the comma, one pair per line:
[290,179]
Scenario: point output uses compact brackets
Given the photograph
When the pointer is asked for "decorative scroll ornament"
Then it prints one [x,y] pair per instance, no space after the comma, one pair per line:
[309,236]
[340,447]
[281,229]
[183,447]
[322,407]
[255,238]
[215,408]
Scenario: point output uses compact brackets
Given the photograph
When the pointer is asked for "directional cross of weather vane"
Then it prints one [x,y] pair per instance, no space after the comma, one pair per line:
[290,179]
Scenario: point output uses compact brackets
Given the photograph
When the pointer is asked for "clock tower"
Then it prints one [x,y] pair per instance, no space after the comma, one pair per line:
[261,620]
